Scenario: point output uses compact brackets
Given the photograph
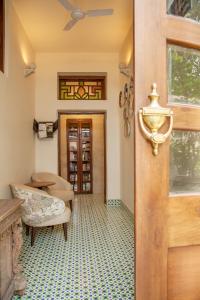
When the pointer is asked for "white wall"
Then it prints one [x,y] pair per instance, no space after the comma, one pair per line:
[47,106]
[16,107]
[127,143]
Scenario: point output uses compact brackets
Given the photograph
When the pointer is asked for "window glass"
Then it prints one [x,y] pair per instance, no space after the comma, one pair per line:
[185,162]
[183,75]
[184,8]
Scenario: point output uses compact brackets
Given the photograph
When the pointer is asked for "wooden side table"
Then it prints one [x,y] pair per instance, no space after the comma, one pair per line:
[11,279]
[40,184]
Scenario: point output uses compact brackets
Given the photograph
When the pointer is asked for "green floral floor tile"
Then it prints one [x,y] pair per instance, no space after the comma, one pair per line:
[96,263]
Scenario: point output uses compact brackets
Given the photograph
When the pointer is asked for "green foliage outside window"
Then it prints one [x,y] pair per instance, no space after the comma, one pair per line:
[184,75]
[194,13]
[184,88]
[186,152]
[184,8]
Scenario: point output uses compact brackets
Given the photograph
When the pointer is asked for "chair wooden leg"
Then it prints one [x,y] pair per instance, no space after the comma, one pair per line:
[65,230]
[70,204]
[33,234]
[27,230]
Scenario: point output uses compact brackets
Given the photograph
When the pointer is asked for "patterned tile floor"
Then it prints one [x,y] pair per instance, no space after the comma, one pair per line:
[96,263]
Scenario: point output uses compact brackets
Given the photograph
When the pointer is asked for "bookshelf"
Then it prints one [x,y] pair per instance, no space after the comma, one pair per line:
[79,155]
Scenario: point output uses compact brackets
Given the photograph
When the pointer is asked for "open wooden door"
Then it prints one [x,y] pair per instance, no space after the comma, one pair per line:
[167,186]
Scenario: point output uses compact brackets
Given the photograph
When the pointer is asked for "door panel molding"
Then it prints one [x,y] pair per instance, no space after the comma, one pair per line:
[184,285]
[184,220]
[186,117]
[182,31]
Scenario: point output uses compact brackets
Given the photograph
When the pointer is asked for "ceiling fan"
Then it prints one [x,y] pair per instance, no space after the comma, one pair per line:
[77,14]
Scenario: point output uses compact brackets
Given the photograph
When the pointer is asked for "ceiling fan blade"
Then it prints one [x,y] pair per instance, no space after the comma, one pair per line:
[70,24]
[99,12]
[67,4]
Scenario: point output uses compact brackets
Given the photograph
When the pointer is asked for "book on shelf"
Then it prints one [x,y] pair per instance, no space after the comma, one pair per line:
[75,187]
[73,177]
[73,156]
[73,166]
[73,146]
[86,187]
[86,167]
[73,134]
[86,146]
[86,177]
[85,156]
[85,132]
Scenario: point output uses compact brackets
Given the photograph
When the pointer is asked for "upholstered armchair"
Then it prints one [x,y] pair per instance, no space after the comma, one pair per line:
[61,189]
[40,209]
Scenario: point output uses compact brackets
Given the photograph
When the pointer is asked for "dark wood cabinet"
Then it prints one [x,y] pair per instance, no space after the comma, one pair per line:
[79,155]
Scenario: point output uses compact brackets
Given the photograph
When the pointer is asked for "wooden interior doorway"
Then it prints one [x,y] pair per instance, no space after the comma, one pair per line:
[92,167]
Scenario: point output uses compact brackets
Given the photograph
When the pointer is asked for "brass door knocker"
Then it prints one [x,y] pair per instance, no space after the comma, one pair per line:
[152,118]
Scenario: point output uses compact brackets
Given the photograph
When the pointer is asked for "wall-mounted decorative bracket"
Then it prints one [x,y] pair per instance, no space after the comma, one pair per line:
[126,101]
[45,129]
[152,118]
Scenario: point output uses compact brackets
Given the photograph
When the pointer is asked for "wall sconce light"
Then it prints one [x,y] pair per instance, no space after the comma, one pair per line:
[124,69]
[28,70]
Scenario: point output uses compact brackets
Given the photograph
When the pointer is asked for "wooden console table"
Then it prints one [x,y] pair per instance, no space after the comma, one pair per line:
[11,279]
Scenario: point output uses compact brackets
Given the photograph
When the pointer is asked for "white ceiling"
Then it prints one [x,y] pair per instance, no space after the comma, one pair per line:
[44,20]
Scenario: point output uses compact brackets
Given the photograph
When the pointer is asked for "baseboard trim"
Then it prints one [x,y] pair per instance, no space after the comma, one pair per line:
[113,202]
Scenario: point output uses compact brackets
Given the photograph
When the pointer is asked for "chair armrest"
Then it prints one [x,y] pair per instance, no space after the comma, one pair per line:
[37,203]
[38,208]
[61,184]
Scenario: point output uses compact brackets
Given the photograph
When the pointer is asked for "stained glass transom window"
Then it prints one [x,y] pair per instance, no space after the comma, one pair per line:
[82,88]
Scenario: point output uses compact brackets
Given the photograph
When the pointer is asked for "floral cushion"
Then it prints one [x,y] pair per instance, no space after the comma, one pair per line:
[38,206]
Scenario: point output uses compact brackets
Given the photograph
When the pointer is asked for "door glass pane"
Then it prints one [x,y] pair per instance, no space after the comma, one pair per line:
[73,146]
[183,75]
[86,187]
[73,173]
[73,130]
[185,162]
[85,130]
[184,8]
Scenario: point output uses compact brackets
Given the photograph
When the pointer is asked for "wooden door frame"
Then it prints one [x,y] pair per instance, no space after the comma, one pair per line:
[86,112]
[151,197]
[2,35]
